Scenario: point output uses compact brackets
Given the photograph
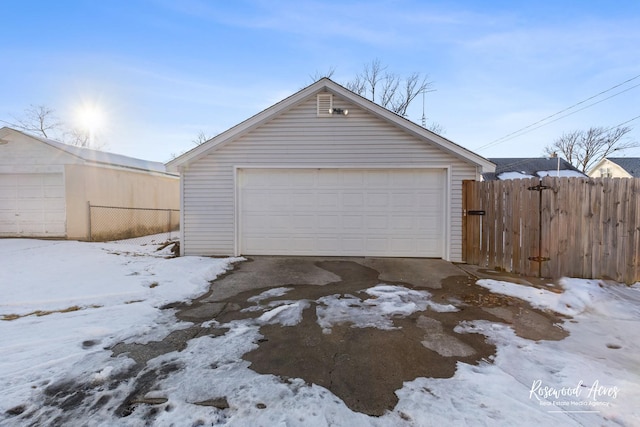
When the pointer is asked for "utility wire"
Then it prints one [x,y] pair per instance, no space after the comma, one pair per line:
[523,161]
[520,132]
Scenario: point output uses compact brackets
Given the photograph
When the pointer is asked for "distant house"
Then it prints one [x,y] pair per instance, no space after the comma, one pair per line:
[325,172]
[616,167]
[532,167]
[46,186]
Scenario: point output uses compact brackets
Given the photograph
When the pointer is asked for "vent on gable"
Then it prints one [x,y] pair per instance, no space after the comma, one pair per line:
[605,173]
[325,104]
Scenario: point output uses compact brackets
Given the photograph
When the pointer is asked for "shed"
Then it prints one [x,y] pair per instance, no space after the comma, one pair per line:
[325,172]
[46,186]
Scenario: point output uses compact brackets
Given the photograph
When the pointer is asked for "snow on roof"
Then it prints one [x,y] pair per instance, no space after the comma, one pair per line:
[561,173]
[517,168]
[629,164]
[103,157]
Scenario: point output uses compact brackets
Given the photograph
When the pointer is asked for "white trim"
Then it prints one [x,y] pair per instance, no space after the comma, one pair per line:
[237,203]
[446,222]
[182,242]
[447,214]
[344,166]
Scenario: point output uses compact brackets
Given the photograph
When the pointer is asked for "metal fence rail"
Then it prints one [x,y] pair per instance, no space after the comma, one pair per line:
[146,225]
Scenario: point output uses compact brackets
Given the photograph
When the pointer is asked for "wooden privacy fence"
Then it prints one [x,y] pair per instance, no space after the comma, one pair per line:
[554,227]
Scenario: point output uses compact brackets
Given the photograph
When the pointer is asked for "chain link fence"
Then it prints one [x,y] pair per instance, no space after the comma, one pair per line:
[145,225]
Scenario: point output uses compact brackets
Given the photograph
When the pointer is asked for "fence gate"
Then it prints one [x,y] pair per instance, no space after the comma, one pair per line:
[553,227]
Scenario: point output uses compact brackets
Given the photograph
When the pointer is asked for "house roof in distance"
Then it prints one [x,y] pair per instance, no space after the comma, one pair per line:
[523,167]
[630,164]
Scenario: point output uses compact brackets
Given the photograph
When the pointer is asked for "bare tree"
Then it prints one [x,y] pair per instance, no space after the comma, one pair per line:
[388,89]
[318,75]
[437,128]
[201,138]
[583,149]
[38,119]
[79,138]
[42,120]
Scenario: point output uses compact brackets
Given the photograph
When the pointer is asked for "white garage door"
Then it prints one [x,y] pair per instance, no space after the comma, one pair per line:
[32,205]
[350,212]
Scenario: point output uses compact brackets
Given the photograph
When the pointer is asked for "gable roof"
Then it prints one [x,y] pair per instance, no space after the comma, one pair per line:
[95,156]
[629,164]
[528,167]
[326,84]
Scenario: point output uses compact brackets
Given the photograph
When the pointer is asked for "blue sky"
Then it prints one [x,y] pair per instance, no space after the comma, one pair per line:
[164,70]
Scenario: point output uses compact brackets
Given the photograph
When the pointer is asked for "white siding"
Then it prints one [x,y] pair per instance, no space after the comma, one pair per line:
[298,138]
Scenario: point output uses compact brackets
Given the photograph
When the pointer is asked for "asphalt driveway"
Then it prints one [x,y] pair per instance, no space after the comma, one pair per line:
[365,325]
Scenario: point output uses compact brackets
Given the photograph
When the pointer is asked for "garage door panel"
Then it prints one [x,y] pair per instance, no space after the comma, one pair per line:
[352,179]
[30,192]
[341,212]
[54,192]
[329,223]
[303,179]
[302,200]
[377,200]
[376,223]
[328,201]
[302,222]
[377,179]
[403,245]
[353,222]
[327,244]
[352,200]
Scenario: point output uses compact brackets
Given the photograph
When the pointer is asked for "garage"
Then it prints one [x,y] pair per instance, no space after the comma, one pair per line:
[325,172]
[47,187]
[342,212]
[32,204]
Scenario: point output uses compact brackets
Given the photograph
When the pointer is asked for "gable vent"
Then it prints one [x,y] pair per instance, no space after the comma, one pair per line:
[325,104]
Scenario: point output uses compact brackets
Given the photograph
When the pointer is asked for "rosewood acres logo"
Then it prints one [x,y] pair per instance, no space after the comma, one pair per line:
[578,398]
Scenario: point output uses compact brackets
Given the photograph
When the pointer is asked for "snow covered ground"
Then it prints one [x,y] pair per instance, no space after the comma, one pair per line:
[70,301]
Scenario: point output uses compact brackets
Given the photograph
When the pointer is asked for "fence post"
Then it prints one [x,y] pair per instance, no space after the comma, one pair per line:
[89,221]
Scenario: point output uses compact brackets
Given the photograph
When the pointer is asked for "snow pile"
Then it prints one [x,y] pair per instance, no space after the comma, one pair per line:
[88,296]
[87,275]
[577,297]
[378,311]
[286,313]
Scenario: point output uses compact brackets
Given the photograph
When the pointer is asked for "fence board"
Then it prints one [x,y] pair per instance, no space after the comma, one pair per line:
[548,211]
[634,227]
[589,227]
[532,223]
[516,230]
[596,227]
[574,232]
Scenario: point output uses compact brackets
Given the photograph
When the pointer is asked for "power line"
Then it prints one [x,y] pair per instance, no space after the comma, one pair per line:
[520,132]
[523,161]
[624,123]
[505,139]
